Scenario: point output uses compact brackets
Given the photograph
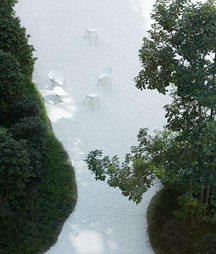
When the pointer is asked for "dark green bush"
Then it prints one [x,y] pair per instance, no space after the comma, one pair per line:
[31,128]
[207,244]
[26,106]
[13,39]
[35,132]
[33,225]
[37,183]
[7,5]
[15,169]
[12,84]
[174,234]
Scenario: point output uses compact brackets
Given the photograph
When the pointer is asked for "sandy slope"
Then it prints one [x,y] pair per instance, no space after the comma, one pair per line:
[103,220]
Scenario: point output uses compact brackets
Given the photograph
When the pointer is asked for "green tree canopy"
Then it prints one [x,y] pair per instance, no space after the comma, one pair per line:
[178,58]
[180,49]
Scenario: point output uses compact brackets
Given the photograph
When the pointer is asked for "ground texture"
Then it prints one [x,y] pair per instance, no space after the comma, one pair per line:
[103,221]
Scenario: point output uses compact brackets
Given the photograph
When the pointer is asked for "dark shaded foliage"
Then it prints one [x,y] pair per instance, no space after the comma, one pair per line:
[15,167]
[32,128]
[13,39]
[12,84]
[7,5]
[171,231]
[26,106]
[33,224]
[207,244]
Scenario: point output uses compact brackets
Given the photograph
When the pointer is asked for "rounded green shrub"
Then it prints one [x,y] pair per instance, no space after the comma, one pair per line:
[173,232]
[37,181]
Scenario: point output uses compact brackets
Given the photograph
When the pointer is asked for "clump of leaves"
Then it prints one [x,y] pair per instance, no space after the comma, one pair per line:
[15,168]
[14,40]
[12,83]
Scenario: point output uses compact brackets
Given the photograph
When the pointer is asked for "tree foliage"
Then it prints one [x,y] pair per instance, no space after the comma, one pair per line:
[180,49]
[26,106]
[15,169]
[135,175]
[12,83]
[178,58]
[7,5]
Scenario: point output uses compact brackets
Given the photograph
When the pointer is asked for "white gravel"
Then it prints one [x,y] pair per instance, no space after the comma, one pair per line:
[103,221]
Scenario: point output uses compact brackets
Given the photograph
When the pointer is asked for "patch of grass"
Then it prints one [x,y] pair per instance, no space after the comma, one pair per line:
[172,234]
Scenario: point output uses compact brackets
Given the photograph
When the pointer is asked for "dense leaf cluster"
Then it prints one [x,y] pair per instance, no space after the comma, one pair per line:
[7,5]
[13,84]
[15,168]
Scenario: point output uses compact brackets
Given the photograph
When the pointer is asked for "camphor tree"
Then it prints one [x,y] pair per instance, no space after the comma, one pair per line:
[179,59]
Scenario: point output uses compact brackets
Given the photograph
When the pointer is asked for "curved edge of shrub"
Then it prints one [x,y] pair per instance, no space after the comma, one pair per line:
[152,227]
[64,217]
[171,232]
[167,233]
[60,224]
[35,223]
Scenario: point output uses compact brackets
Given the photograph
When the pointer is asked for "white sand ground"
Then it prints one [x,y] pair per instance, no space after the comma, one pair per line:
[103,221]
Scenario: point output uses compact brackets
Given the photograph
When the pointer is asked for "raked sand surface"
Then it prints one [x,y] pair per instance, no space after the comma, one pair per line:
[103,222]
